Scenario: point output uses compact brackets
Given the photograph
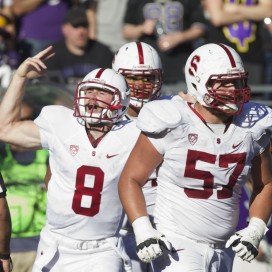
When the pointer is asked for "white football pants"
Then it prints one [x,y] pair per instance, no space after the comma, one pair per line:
[194,256]
[57,253]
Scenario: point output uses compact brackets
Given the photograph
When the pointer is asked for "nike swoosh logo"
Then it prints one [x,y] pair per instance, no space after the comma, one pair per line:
[110,156]
[235,146]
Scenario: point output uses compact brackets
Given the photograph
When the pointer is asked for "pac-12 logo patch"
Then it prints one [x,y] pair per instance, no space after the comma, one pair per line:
[74,149]
[192,137]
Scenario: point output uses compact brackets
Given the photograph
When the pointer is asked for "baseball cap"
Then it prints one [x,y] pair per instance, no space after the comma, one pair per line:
[76,17]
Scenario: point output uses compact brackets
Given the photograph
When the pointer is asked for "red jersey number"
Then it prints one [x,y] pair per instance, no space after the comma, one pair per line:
[224,160]
[83,191]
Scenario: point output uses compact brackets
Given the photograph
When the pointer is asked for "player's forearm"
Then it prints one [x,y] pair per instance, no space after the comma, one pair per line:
[132,199]
[261,203]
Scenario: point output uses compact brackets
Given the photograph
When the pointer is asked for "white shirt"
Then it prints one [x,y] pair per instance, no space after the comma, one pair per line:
[82,199]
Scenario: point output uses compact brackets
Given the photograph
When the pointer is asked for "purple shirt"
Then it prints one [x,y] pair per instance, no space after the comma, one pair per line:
[44,23]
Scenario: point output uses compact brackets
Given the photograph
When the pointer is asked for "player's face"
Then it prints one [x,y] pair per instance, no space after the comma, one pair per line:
[228,90]
[141,86]
[97,99]
[228,95]
[224,90]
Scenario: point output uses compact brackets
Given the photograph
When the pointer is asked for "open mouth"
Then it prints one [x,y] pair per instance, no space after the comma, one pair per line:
[93,108]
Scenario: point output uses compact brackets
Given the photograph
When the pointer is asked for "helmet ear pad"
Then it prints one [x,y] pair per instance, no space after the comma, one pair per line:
[107,80]
[213,65]
[136,59]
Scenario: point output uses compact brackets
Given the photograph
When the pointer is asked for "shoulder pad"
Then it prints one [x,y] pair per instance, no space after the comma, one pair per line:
[257,119]
[159,116]
[255,115]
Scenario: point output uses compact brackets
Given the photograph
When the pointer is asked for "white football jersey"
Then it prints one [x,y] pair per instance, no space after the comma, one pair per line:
[82,199]
[200,179]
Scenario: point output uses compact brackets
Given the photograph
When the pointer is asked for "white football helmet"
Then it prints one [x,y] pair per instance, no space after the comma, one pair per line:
[211,65]
[139,59]
[108,80]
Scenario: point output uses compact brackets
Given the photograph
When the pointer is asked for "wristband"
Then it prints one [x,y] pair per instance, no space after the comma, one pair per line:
[4,256]
[143,230]
[259,224]
[142,225]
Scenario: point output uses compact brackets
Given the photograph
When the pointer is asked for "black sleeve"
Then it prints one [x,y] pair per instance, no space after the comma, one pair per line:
[3,189]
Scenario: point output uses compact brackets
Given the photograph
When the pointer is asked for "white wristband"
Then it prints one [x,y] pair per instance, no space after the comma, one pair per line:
[258,224]
[142,225]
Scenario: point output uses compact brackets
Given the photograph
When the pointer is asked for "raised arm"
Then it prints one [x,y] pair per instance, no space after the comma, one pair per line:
[22,133]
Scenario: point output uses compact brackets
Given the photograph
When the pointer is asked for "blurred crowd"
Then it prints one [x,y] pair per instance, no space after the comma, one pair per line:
[85,35]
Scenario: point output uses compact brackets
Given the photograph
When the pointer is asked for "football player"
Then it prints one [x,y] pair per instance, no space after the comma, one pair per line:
[206,151]
[88,147]
[141,66]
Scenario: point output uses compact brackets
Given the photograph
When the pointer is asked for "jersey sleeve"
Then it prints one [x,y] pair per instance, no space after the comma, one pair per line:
[3,189]
[158,119]
[50,118]
[160,116]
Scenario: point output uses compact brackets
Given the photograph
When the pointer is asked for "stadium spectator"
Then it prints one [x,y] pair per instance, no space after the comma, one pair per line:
[39,23]
[109,22]
[76,54]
